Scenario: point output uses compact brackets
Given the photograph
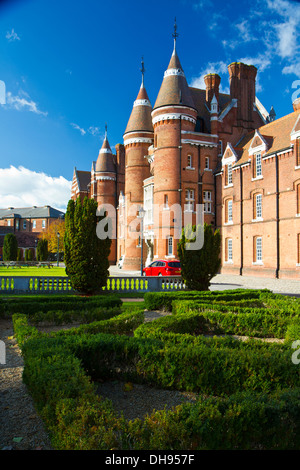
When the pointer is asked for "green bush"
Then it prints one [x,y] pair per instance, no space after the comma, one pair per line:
[249,390]
[31,306]
[164,300]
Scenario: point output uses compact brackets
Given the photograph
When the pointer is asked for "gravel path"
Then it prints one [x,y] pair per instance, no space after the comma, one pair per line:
[20,426]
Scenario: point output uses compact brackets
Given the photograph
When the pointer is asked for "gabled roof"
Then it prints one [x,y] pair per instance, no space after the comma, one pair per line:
[83,179]
[277,135]
[199,99]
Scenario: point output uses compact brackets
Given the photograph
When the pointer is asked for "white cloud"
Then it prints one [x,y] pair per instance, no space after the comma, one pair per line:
[212,67]
[93,130]
[21,187]
[12,36]
[78,128]
[23,102]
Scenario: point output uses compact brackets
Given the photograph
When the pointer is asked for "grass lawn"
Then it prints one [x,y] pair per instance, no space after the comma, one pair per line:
[32,271]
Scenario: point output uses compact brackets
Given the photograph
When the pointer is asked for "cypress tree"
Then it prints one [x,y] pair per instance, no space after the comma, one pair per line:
[199,266]
[10,247]
[42,250]
[86,256]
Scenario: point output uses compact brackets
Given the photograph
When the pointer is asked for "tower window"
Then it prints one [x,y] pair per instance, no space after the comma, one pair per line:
[189,161]
[207,163]
[189,199]
[220,148]
[207,202]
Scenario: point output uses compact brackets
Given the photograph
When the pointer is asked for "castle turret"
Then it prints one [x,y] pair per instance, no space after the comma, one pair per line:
[104,182]
[174,113]
[138,137]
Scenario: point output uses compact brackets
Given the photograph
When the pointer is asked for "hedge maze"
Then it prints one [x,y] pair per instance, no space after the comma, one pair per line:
[233,349]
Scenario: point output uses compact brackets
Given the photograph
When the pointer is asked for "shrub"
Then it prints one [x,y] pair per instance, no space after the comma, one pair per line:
[10,247]
[86,255]
[199,266]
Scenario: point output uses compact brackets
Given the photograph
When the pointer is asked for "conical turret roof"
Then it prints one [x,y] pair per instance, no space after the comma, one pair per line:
[105,162]
[140,119]
[174,89]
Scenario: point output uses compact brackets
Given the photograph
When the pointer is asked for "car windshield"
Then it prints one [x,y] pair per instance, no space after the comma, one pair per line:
[174,264]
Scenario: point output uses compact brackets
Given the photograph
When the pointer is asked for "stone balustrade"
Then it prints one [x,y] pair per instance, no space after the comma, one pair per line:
[62,285]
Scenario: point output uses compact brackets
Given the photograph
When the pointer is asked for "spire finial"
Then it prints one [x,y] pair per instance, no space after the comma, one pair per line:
[175,34]
[143,71]
[106,130]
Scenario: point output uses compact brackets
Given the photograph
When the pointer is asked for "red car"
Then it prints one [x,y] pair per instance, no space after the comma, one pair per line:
[163,268]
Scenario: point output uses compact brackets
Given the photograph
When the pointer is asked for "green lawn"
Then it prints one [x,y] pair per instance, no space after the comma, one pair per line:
[32,271]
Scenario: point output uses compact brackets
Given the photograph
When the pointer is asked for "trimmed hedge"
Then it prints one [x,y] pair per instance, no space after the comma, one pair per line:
[164,300]
[31,306]
[251,388]
[78,419]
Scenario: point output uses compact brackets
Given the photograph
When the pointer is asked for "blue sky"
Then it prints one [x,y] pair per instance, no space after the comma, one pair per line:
[70,67]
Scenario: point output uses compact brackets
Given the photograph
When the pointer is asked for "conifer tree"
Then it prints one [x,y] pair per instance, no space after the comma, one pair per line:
[199,266]
[42,250]
[10,247]
[86,256]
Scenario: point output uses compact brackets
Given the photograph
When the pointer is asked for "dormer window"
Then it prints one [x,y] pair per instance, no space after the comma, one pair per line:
[257,166]
[228,174]
[298,151]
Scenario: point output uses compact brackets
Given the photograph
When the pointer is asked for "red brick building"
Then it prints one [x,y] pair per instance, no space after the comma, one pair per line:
[223,151]
[27,224]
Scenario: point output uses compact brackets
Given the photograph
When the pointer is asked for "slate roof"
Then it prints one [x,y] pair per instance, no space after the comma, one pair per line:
[174,89]
[199,99]
[44,212]
[84,179]
[105,162]
[140,118]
